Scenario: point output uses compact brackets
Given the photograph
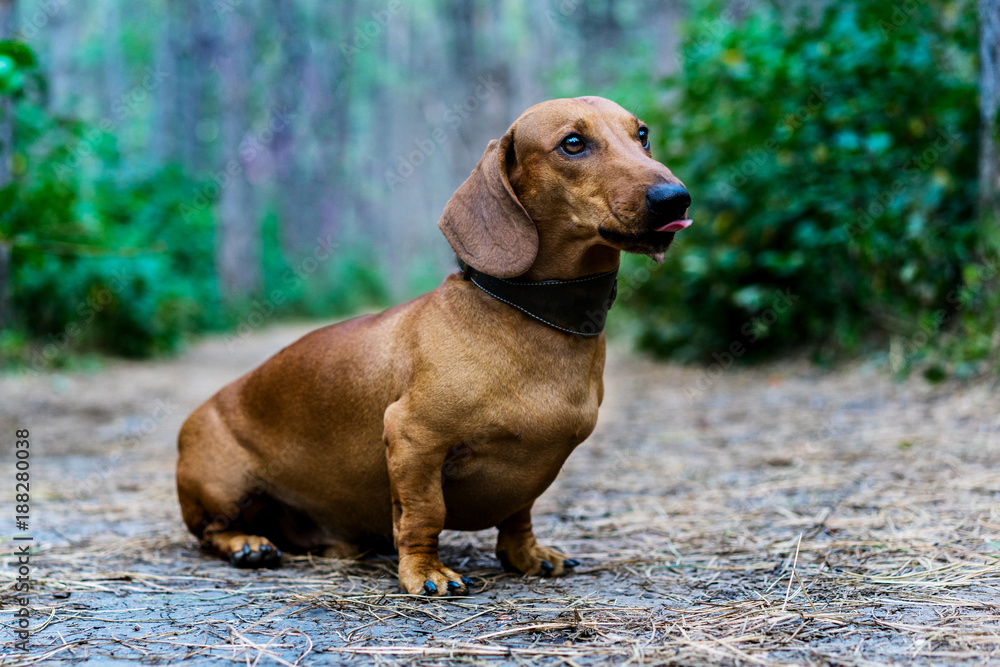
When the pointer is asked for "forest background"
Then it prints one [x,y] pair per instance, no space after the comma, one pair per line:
[173,168]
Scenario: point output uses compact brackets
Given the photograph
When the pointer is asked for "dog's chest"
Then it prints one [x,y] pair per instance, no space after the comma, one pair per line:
[512,446]
[543,399]
[512,405]
[507,460]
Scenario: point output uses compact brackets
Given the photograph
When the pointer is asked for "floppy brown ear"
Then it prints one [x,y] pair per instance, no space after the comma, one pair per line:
[485,223]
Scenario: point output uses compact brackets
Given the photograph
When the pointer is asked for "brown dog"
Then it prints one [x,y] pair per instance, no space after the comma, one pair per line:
[457,409]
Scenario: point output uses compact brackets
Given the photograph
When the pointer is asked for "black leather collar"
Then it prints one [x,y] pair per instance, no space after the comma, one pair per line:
[578,306]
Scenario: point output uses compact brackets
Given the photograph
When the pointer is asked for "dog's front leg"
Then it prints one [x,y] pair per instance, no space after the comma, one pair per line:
[415,456]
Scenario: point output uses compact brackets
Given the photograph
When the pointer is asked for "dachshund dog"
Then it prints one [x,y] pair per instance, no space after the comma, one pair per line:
[457,409]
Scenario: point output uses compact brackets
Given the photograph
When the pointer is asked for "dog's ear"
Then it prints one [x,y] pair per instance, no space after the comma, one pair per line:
[485,223]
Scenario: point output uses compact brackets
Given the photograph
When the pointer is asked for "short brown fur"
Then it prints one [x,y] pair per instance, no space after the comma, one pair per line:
[453,410]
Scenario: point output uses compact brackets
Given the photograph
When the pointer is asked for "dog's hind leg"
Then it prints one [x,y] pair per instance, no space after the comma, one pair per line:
[220,495]
[518,550]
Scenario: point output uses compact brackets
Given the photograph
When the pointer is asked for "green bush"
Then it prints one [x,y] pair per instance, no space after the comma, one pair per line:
[129,287]
[832,164]
[333,277]
[104,258]
[101,257]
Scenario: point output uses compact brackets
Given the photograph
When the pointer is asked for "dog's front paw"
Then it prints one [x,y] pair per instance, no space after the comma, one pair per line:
[532,559]
[425,575]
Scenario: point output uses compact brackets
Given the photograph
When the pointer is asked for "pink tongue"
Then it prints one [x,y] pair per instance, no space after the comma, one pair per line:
[675,226]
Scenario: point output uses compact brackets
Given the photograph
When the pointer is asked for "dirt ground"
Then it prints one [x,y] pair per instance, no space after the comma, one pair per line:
[777,515]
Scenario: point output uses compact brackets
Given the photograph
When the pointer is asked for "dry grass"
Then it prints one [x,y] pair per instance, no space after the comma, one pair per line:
[782,517]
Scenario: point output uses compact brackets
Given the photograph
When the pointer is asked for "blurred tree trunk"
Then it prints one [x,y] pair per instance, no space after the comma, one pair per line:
[168,59]
[460,16]
[295,221]
[989,105]
[238,259]
[666,16]
[66,69]
[600,32]
[114,73]
[188,45]
[328,91]
[8,17]
[540,34]
[599,24]
[393,139]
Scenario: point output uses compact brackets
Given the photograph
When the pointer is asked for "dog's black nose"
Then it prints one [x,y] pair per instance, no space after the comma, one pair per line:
[668,201]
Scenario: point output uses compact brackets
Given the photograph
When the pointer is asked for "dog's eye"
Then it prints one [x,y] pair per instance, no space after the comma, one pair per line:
[644,137]
[573,144]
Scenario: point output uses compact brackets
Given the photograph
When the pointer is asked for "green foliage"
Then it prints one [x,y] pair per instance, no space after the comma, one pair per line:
[101,259]
[334,277]
[108,259]
[832,160]
[967,334]
[17,62]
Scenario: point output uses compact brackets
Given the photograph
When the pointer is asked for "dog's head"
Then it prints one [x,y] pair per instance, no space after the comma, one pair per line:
[578,171]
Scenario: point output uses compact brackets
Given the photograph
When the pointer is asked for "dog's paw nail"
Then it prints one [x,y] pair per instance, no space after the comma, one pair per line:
[246,549]
[454,586]
[547,567]
[430,588]
[571,562]
[270,556]
[467,581]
